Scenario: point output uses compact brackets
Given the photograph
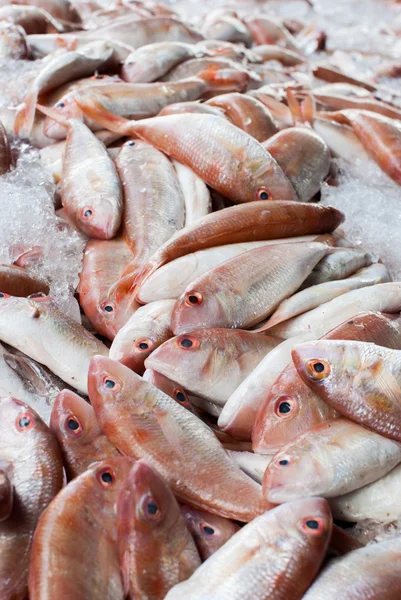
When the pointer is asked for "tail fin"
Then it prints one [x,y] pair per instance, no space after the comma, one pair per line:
[308,108]
[26,114]
[295,107]
[94,110]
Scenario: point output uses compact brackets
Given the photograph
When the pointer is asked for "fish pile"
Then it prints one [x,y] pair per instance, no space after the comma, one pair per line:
[214,411]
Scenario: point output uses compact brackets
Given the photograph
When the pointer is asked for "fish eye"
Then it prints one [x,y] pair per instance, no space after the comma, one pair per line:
[106,477]
[313,526]
[284,406]
[144,345]
[263,194]
[108,307]
[150,509]
[73,425]
[193,298]
[207,530]
[131,143]
[87,213]
[284,461]
[111,384]
[60,105]
[3,295]
[318,369]
[186,342]
[179,395]
[25,422]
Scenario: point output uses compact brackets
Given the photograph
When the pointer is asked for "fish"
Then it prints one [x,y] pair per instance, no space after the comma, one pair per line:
[228,28]
[247,288]
[81,440]
[252,464]
[62,68]
[341,140]
[197,198]
[210,532]
[383,297]
[288,58]
[211,147]
[77,535]
[12,41]
[247,113]
[339,263]
[32,19]
[156,549]
[149,63]
[5,151]
[265,30]
[143,422]
[6,494]
[37,327]
[304,158]
[91,191]
[176,392]
[32,463]
[253,563]
[210,363]
[190,107]
[370,571]
[17,281]
[172,278]
[103,263]
[291,407]
[228,71]
[331,459]
[59,9]
[315,295]
[256,221]
[145,331]
[360,380]
[154,203]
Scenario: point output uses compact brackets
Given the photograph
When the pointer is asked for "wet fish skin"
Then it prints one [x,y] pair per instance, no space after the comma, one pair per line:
[151,425]
[176,392]
[339,263]
[370,571]
[358,379]
[37,327]
[210,363]
[30,455]
[145,331]
[197,198]
[155,547]
[252,464]
[331,459]
[287,57]
[103,263]
[227,28]
[190,107]
[16,281]
[253,564]
[77,535]
[210,532]
[265,30]
[6,494]
[79,435]
[221,298]
[59,9]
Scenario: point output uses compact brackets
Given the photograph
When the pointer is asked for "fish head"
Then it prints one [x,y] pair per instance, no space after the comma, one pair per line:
[169,387]
[73,419]
[198,310]
[210,532]
[267,180]
[67,109]
[133,346]
[112,313]
[20,424]
[99,220]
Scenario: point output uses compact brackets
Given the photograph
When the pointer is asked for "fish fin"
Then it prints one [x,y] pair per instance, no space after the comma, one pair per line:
[26,114]
[295,107]
[29,258]
[52,114]
[95,111]
[308,109]
[170,429]
[388,384]
[221,79]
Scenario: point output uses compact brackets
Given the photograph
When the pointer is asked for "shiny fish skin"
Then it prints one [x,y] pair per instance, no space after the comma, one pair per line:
[147,329]
[151,425]
[31,458]
[176,392]
[339,264]
[198,202]
[287,57]
[370,572]
[215,364]
[103,263]
[84,445]
[47,335]
[359,379]
[77,536]
[253,564]
[252,464]
[332,459]
[304,158]
[222,295]
[90,188]
[16,281]
[156,549]
[210,532]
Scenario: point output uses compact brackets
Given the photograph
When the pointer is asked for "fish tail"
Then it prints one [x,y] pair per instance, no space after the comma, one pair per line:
[95,110]
[26,115]
[294,106]
[221,79]
[308,109]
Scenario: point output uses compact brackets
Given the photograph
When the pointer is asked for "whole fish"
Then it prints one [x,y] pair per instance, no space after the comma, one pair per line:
[77,536]
[265,30]
[12,41]
[156,549]
[79,435]
[379,501]
[103,263]
[315,295]
[62,68]
[210,363]
[31,459]
[211,147]
[210,532]
[16,281]
[145,423]
[154,203]
[149,63]
[6,495]
[263,220]
[90,188]
[38,328]
[172,279]
[370,572]
[197,198]
[358,379]
[253,564]
[247,113]
[222,298]
[383,297]
[147,329]
[5,151]
[291,407]
[332,459]
[303,156]
[252,464]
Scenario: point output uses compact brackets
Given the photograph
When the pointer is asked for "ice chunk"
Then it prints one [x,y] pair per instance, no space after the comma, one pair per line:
[15,77]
